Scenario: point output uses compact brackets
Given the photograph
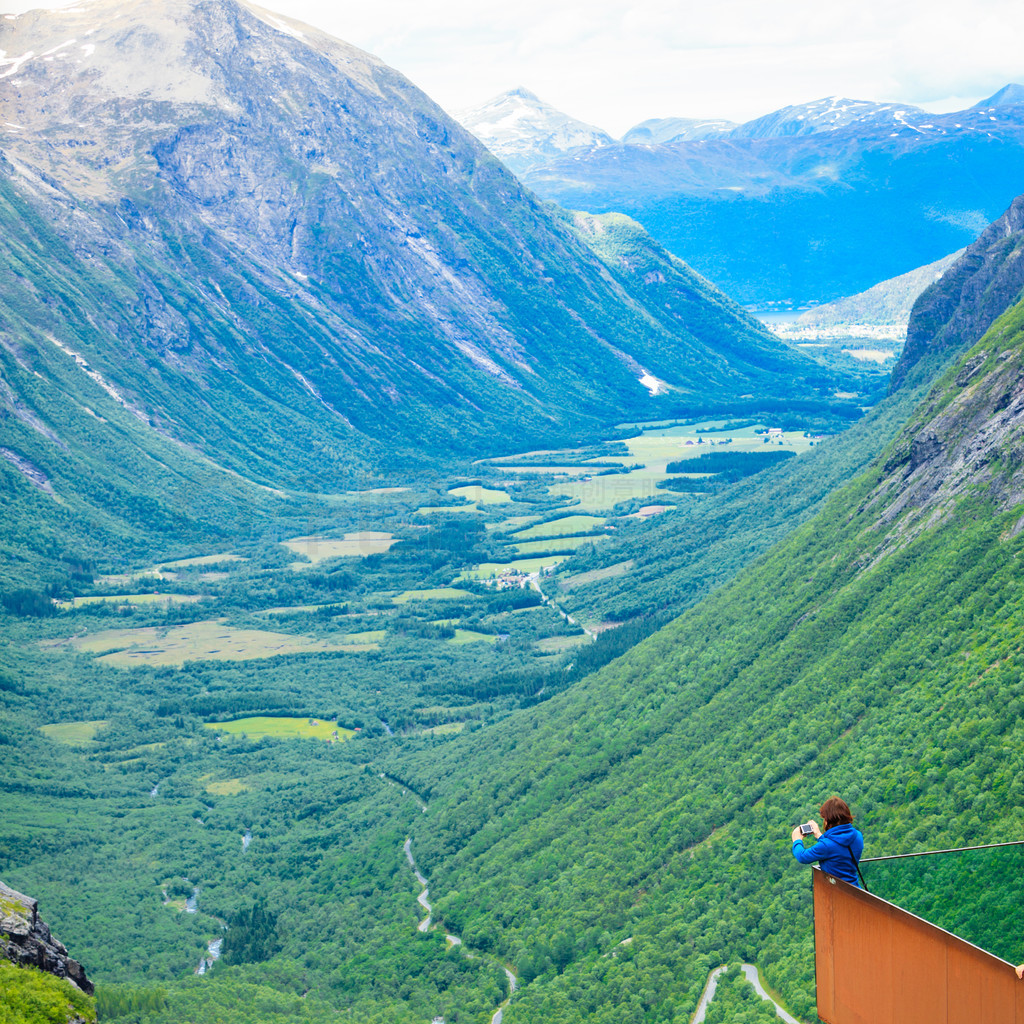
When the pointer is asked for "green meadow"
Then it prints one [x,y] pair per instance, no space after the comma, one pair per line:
[433,594]
[558,644]
[650,453]
[436,510]
[283,729]
[207,640]
[561,544]
[524,565]
[481,495]
[469,636]
[565,526]
[75,734]
[354,545]
[581,579]
[78,602]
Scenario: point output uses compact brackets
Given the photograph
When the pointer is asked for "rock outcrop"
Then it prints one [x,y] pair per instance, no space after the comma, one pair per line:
[965,439]
[26,940]
[952,315]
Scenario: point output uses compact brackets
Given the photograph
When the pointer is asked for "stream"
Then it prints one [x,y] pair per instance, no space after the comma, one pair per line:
[212,955]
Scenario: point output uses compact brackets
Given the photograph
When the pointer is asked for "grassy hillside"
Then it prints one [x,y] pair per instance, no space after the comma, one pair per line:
[635,830]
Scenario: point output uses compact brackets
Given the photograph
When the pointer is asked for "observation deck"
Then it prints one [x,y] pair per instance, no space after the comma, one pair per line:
[927,944]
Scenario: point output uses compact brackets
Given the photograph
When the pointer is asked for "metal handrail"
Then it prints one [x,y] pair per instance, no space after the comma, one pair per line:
[932,853]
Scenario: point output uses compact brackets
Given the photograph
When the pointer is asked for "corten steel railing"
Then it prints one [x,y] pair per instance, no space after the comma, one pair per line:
[878,964]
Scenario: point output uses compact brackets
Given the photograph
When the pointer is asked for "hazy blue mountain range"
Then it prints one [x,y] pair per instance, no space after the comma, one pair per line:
[886,304]
[811,202]
[263,248]
[659,130]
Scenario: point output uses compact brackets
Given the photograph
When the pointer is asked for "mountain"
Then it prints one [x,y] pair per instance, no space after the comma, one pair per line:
[954,312]
[267,252]
[812,202]
[1009,95]
[831,114]
[660,130]
[525,132]
[886,304]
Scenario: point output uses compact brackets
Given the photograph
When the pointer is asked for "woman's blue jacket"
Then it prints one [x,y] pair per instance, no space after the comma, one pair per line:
[838,851]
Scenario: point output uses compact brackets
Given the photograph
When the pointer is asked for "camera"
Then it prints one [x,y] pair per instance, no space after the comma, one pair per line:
[807,829]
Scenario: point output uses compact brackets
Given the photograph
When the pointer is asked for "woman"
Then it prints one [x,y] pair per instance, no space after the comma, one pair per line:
[839,848]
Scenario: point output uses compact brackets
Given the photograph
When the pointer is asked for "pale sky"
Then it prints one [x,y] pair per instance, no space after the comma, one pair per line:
[614,63]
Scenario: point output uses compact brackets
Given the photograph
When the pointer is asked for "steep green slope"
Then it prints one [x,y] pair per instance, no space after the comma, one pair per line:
[876,653]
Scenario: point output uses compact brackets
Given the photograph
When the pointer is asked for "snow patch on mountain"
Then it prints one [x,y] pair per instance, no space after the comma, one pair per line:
[524,131]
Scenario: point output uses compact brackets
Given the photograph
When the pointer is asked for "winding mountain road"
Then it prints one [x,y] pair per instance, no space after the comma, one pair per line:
[750,973]
[455,940]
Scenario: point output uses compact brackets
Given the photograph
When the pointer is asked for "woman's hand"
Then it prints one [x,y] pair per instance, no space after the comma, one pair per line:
[797,835]
[815,829]
[1020,971]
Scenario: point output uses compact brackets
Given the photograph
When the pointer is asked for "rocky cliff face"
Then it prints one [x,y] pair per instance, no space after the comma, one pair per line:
[952,315]
[26,940]
[964,440]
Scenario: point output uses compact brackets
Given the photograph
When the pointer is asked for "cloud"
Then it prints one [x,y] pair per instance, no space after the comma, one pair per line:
[616,62]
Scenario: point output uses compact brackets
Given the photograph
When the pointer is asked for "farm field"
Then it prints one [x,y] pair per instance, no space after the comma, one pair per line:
[207,640]
[523,565]
[435,594]
[354,545]
[283,728]
[652,450]
[470,636]
[583,578]
[226,787]
[79,602]
[540,547]
[291,609]
[371,637]
[511,523]
[481,495]
[562,527]
[436,510]
[576,470]
[655,450]
[75,734]
[448,729]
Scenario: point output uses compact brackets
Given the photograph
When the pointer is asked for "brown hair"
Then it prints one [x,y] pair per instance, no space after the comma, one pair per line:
[835,811]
